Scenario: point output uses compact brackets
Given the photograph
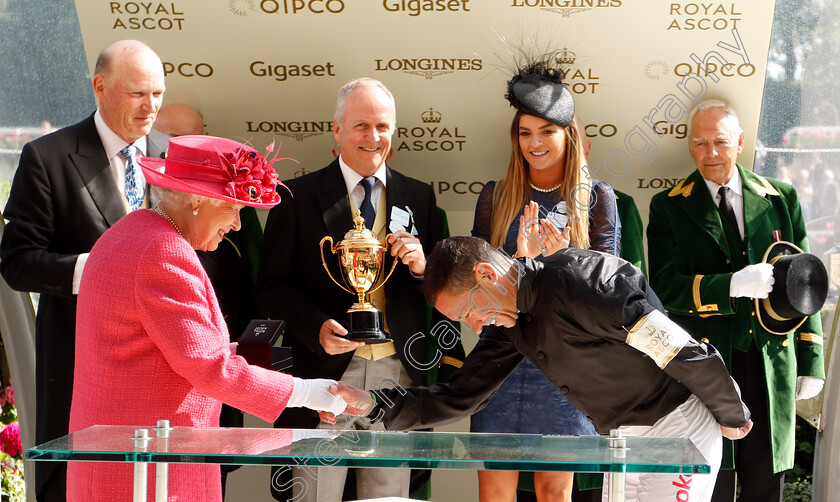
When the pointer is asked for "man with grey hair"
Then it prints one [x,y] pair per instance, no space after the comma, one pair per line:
[707,237]
[295,287]
[71,186]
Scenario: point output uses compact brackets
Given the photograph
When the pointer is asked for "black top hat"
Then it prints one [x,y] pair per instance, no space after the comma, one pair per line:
[538,90]
[799,290]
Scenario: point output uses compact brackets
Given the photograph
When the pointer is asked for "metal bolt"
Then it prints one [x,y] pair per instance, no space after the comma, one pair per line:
[162,429]
[141,438]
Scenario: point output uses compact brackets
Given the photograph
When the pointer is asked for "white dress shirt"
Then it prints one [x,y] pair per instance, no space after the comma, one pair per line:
[113,144]
[356,191]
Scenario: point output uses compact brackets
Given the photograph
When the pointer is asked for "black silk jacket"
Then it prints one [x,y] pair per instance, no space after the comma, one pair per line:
[575,310]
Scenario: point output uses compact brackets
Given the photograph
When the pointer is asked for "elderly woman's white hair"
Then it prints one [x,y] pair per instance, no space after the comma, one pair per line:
[176,198]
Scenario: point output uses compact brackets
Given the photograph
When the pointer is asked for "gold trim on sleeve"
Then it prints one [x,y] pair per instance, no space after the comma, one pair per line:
[810,337]
[451,361]
[698,302]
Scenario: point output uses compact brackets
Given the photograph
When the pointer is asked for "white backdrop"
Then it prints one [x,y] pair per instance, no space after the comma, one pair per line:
[270,69]
[266,69]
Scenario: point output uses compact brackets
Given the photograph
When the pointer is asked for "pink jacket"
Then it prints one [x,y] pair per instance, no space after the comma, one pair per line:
[151,344]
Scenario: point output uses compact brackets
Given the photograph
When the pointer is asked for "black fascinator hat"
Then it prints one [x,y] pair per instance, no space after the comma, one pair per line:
[538,90]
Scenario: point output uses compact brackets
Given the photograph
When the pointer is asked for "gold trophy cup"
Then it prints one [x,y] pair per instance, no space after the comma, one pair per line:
[361,257]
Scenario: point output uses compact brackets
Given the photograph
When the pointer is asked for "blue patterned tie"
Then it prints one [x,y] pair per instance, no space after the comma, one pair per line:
[134,190]
[367,207]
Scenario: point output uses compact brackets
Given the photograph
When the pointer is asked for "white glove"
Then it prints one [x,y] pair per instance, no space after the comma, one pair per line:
[315,394]
[808,387]
[752,281]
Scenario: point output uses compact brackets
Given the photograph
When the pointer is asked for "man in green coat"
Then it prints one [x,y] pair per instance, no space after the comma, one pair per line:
[706,240]
[632,230]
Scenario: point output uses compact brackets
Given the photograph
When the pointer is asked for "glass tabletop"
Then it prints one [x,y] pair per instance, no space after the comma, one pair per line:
[434,450]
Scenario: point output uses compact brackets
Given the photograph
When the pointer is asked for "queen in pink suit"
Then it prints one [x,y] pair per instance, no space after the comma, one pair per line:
[151,342]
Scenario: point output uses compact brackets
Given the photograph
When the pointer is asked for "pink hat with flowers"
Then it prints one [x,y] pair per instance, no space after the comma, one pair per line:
[214,167]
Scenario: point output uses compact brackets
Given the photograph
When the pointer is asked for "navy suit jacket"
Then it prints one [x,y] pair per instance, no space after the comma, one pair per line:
[295,287]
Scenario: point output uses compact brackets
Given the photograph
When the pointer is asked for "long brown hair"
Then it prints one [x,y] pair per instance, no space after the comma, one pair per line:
[514,191]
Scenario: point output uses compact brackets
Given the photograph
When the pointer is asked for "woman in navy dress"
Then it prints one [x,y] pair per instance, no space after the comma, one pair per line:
[547,190]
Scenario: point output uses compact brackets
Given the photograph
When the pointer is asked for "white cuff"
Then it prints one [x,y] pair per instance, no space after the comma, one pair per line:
[77,271]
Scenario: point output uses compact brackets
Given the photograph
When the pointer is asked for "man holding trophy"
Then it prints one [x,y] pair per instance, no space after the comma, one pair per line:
[396,219]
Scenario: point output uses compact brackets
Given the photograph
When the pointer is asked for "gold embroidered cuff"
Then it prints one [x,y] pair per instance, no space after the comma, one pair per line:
[451,361]
[698,302]
[810,337]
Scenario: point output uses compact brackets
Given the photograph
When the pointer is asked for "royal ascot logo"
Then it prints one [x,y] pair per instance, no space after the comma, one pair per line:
[416,7]
[566,7]
[282,72]
[564,57]
[703,16]
[131,16]
[299,130]
[431,136]
[655,70]
[431,116]
[245,7]
[578,80]
[428,68]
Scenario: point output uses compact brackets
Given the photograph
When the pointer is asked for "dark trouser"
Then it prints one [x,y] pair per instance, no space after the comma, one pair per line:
[753,456]
[51,481]
[53,395]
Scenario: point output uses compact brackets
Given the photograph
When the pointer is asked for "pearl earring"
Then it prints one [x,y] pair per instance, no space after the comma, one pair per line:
[195,212]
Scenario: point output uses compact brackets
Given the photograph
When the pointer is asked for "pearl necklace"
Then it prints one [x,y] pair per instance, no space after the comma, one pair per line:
[160,211]
[545,190]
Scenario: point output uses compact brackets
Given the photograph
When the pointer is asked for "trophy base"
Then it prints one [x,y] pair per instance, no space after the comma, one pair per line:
[367,326]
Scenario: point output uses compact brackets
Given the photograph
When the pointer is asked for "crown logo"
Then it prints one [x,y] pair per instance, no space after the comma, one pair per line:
[565,57]
[431,117]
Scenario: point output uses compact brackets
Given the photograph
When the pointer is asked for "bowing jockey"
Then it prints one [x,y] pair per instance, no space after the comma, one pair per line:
[591,323]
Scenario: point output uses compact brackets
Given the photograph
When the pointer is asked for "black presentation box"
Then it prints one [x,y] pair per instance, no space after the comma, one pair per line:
[256,345]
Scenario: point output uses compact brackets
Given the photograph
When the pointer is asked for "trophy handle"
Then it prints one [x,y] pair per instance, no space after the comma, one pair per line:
[393,266]
[324,262]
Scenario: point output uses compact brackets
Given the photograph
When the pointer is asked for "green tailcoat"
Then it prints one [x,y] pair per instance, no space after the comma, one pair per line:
[632,231]
[691,264]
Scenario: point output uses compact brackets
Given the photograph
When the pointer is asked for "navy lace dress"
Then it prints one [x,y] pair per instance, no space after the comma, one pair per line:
[528,402]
